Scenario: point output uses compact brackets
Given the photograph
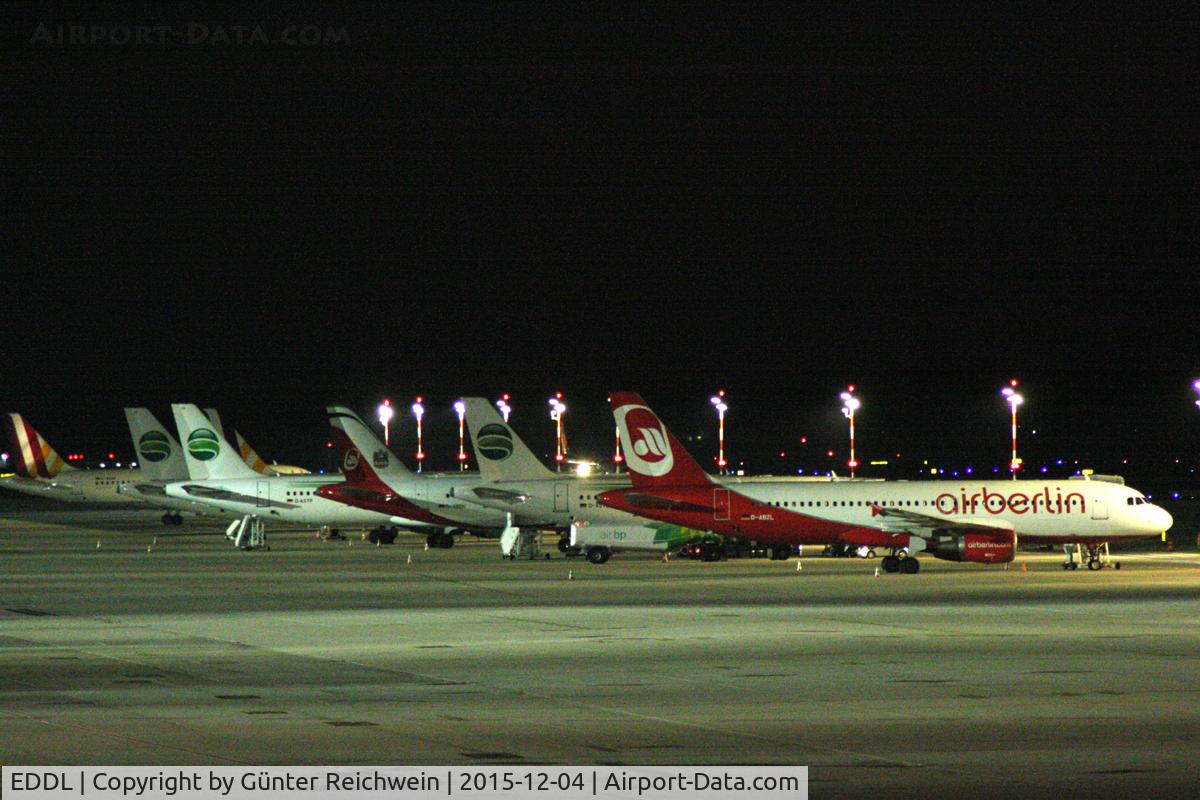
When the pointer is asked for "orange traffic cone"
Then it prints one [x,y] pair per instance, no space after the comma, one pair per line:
[1024,567]
[570,575]
[877,572]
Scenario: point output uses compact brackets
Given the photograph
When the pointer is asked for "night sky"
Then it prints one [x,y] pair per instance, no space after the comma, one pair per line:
[451,199]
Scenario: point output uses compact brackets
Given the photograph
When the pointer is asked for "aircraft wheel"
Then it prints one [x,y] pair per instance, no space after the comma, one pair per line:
[373,536]
[1116,565]
[431,540]
[891,564]
[166,519]
[445,540]
[564,544]
[178,519]
[1094,564]
[910,566]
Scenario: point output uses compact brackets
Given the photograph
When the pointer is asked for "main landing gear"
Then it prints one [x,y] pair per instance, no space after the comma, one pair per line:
[172,519]
[900,561]
[1097,557]
[443,540]
[382,535]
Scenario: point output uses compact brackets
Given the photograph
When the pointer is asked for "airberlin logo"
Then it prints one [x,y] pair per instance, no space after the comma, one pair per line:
[1047,501]
[154,446]
[203,445]
[350,460]
[647,449]
[494,442]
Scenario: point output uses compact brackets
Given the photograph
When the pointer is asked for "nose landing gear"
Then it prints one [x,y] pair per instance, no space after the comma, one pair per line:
[1097,557]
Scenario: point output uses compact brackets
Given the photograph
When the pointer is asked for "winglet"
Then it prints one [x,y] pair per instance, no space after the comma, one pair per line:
[500,453]
[652,453]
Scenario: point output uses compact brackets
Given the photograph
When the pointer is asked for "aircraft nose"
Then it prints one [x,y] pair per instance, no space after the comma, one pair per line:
[1158,519]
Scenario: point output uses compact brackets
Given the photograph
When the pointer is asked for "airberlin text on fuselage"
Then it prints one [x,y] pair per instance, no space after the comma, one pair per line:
[1043,502]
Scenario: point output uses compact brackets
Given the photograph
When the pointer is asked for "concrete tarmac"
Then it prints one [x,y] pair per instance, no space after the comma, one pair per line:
[962,681]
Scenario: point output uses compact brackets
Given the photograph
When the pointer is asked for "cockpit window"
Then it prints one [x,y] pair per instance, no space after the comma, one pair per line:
[1135,501]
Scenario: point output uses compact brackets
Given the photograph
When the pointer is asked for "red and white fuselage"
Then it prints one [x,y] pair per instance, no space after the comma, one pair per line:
[968,520]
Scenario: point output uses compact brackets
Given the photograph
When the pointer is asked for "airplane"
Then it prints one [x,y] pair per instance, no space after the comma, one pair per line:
[218,477]
[40,471]
[161,461]
[516,482]
[248,453]
[380,482]
[973,521]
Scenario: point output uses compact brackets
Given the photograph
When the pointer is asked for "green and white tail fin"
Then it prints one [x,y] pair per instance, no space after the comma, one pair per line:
[159,455]
[208,454]
[359,437]
[500,453]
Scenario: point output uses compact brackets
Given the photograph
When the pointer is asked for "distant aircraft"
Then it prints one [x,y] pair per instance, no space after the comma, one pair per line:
[515,481]
[41,472]
[978,521]
[248,453]
[376,480]
[161,461]
[218,477]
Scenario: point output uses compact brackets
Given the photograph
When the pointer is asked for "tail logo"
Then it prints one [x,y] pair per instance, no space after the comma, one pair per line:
[203,444]
[494,442]
[350,460]
[648,449]
[153,446]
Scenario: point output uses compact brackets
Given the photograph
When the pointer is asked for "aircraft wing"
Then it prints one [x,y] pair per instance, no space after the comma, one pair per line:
[217,493]
[660,503]
[502,495]
[901,520]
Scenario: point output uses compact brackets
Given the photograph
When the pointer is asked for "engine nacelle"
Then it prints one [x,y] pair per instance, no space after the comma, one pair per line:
[983,548]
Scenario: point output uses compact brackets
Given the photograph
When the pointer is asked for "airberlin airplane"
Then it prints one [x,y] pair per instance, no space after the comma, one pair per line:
[979,521]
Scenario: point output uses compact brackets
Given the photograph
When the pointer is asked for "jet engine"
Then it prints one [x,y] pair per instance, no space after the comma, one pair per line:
[984,547]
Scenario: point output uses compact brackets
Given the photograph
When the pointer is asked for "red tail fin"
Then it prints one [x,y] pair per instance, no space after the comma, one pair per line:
[356,469]
[654,456]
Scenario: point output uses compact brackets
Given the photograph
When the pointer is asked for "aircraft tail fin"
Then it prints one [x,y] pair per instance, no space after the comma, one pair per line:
[33,457]
[500,453]
[159,455]
[206,451]
[364,459]
[249,455]
[652,453]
